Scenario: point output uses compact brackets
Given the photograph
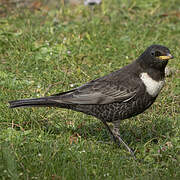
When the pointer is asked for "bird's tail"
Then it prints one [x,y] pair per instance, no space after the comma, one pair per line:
[44,101]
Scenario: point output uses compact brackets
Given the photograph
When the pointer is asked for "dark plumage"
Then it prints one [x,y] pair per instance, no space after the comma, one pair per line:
[120,95]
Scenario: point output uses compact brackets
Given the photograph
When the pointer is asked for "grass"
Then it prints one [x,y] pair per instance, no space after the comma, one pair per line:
[53,50]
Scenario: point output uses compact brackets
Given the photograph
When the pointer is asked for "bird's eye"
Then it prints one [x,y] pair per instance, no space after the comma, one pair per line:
[153,53]
[156,53]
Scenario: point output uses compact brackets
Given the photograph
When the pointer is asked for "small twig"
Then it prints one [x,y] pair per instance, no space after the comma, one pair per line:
[12,125]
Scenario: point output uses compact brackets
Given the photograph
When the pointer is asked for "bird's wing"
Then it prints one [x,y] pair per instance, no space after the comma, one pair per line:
[97,92]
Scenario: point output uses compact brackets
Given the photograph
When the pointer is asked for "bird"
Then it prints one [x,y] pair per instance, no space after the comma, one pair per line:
[117,96]
[92,2]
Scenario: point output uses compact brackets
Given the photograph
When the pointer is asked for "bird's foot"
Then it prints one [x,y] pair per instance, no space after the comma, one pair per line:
[116,136]
[120,141]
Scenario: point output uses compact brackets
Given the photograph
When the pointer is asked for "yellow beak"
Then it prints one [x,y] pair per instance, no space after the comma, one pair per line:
[167,57]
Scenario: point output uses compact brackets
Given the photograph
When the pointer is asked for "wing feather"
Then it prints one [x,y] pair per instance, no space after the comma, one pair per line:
[98,92]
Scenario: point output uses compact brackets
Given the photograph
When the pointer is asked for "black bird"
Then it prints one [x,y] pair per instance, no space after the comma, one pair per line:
[122,94]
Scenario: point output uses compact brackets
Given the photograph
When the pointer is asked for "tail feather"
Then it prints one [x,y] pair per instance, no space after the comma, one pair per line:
[45,101]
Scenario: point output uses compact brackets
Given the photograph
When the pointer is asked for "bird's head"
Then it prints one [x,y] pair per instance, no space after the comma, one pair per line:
[156,56]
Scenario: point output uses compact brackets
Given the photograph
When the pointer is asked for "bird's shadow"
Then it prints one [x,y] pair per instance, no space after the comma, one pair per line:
[131,132]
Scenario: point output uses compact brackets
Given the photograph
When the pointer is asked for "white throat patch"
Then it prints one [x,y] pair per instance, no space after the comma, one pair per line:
[152,87]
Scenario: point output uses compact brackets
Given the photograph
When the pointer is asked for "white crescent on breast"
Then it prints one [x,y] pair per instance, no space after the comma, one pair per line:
[153,87]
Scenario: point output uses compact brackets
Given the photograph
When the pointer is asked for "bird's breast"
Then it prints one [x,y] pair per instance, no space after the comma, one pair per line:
[153,87]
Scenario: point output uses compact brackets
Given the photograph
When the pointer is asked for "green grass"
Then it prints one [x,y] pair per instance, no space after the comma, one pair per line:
[46,52]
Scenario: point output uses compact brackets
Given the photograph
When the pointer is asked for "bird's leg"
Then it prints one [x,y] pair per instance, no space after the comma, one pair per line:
[115,132]
[110,131]
[116,136]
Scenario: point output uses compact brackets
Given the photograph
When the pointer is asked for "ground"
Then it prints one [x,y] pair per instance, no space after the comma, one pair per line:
[46,50]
